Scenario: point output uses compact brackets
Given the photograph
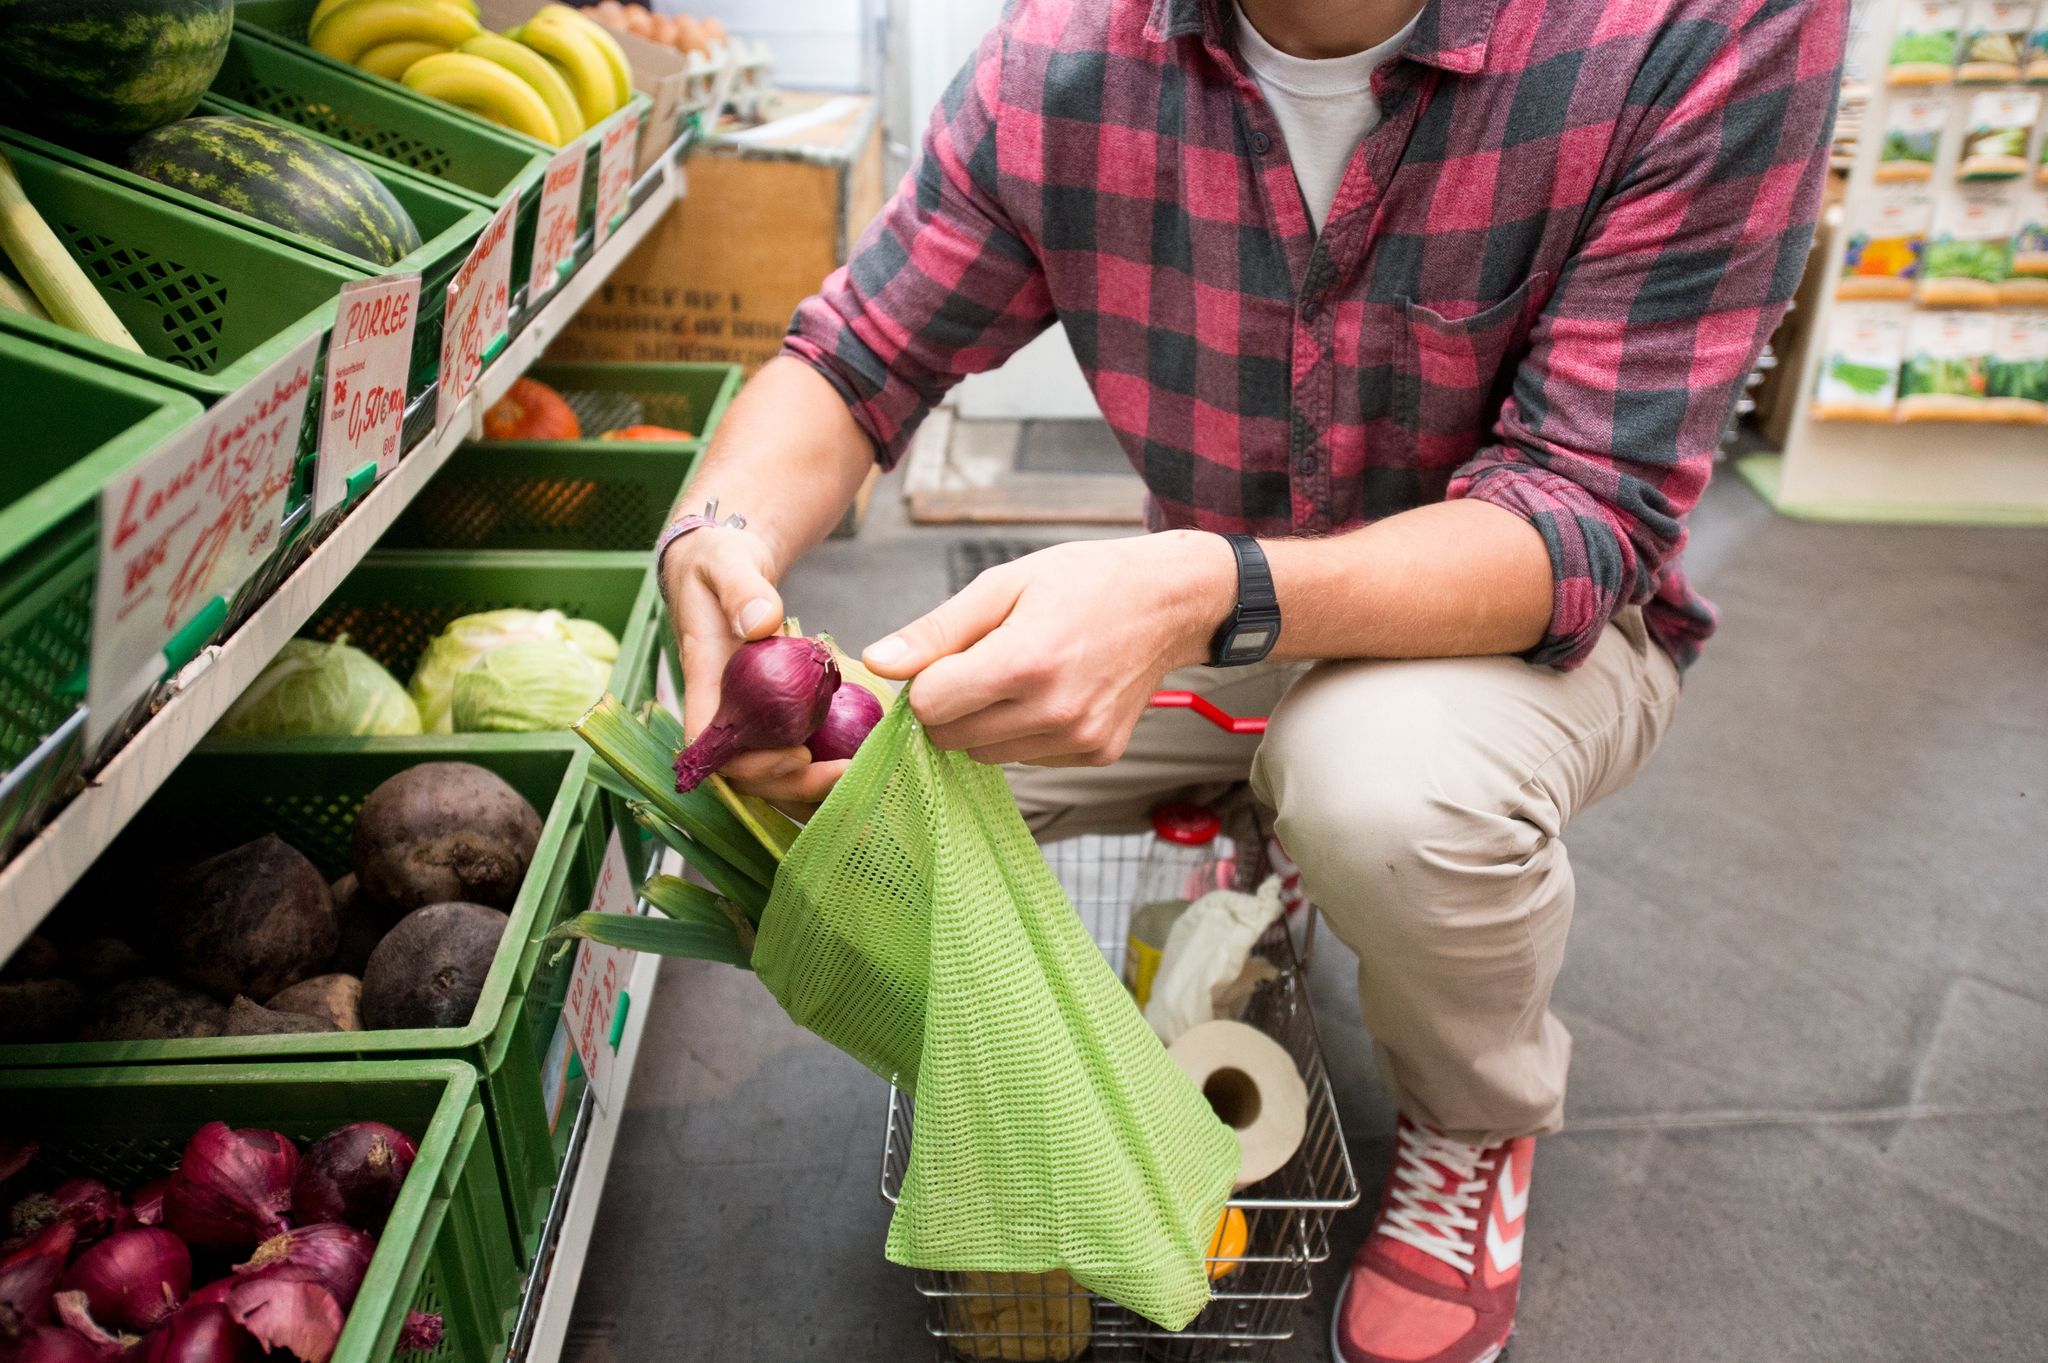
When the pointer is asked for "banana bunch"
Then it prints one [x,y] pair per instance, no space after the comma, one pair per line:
[553,77]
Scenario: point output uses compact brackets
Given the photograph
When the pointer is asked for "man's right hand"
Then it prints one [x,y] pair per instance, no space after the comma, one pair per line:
[720,592]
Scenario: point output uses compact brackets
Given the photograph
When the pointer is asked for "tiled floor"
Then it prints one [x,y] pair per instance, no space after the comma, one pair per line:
[1808,981]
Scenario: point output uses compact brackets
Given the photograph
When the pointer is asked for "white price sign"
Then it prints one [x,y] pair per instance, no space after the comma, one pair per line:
[554,227]
[615,170]
[182,530]
[595,1011]
[478,313]
[368,361]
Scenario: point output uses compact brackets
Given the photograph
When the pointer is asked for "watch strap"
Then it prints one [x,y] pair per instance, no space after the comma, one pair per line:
[1258,605]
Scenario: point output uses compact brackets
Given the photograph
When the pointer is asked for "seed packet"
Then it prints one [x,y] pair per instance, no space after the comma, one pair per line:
[1914,123]
[2016,384]
[1995,141]
[1887,236]
[2028,284]
[1859,372]
[1924,46]
[1944,376]
[1993,34]
[1970,253]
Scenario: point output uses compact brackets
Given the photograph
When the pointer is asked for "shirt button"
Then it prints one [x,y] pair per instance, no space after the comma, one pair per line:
[1309,310]
[1261,143]
[1307,464]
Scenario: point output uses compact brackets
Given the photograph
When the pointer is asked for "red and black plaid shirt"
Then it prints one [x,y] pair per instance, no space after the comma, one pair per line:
[1542,282]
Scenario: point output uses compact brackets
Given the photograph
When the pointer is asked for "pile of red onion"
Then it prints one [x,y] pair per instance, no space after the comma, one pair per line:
[88,1275]
[782,692]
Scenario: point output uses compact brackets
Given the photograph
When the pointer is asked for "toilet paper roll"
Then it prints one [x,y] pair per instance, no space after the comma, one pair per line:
[1251,1082]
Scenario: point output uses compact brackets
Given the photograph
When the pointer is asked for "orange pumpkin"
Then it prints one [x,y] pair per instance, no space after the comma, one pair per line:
[664,433]
[530,410]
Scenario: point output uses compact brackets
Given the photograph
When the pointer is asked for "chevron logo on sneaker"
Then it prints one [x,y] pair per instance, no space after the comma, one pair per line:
[1504,1254]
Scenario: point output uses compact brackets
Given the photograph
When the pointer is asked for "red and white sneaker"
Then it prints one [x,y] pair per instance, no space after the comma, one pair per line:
[1436,1280]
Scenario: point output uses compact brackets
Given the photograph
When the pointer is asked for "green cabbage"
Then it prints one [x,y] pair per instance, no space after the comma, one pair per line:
[316,689]
[467,641]
[527,687]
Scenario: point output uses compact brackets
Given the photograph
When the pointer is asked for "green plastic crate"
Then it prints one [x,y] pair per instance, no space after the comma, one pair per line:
[71,427]
[308,792]
[577,494]
[445,1248]
[449,225]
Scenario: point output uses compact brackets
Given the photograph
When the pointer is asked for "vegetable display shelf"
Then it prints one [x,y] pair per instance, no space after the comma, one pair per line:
[70,427]
[578,494]
[449,225]
[189,704]
[444,1249]
[308,792]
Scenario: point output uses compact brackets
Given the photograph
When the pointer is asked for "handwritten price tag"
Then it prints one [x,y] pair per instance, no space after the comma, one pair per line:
[478,313]
[615,170]
[554,227]
[188,526]
[363,410]
[595,996]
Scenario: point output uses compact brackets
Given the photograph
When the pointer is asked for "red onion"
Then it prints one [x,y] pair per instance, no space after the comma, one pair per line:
[29,1275]
[352,1175]
[51,1344]
[233,1188]
[87,1203]
[201,1334]
[333,1255]
[286,1309]
[773,695]
[421,1332]
[15,1157]
[853,712]
[133,1279]
[146,1204]
[214,1293]
[76,1313]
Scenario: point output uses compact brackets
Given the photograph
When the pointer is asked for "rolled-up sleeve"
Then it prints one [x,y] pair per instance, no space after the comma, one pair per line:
[1608,436]
[941,285]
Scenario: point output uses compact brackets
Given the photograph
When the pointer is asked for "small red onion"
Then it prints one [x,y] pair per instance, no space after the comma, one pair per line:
[133,1279]
[146,1204]
[204,1333]
[214,1293]
[233,1188]
[76,1313]
[52,1344]
[333,1255]
[853,713]
[352,1175]
[773,694]
[286,1309]
[87,1203]
[29,1275]
[421,1332]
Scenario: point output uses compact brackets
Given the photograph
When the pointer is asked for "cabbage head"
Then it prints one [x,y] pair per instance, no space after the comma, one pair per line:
[468,640]
[527,687]
[316,689]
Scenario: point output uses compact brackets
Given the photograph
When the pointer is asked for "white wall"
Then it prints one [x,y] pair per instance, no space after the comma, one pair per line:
[818,44]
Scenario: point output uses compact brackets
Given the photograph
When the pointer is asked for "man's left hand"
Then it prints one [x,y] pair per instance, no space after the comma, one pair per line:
[1050,659]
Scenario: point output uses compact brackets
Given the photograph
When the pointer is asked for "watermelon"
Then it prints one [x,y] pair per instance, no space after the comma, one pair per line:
[90,69]
[281,176]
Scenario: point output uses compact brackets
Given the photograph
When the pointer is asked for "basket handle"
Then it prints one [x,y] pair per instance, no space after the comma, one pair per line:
[1229,723]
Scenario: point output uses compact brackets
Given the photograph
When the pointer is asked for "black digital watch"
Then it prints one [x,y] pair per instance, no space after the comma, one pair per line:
[1251,629]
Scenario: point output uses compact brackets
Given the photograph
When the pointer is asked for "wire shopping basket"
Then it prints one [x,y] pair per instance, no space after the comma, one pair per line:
[1256,1290]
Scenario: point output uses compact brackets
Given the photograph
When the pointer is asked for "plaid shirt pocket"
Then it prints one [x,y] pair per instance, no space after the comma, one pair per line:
[1450,376]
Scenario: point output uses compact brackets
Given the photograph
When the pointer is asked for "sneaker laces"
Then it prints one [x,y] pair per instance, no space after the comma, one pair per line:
[1438,1186]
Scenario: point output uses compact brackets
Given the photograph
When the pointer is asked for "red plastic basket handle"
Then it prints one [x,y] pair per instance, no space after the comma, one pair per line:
[1229,723]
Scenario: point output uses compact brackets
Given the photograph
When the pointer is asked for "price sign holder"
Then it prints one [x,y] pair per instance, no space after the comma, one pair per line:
[475,324]
[363,408]
[183,529]
[594,1013]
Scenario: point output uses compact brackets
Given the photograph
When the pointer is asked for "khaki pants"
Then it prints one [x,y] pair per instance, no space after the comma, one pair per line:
[1425,802]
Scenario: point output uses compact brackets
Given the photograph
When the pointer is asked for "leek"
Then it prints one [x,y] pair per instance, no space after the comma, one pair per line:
[48,269]
[659,936]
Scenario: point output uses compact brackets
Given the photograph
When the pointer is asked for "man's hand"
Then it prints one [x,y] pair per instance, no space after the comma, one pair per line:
[720,591]
[1050,659]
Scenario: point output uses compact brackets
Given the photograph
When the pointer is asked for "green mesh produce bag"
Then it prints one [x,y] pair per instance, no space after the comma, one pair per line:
[916,926]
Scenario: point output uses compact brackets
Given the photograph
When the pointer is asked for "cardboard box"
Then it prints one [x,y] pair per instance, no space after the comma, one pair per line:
[768,212]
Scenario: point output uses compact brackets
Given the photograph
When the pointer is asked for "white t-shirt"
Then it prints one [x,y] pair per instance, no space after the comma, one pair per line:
[1324,107]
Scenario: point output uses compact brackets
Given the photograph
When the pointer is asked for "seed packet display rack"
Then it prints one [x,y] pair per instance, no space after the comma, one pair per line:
[1927,461]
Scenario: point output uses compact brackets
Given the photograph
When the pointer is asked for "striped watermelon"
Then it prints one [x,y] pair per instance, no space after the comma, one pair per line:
[280,176]
[107,68]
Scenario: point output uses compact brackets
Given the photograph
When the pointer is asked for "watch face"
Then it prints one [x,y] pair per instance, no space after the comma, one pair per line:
[1254,640]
